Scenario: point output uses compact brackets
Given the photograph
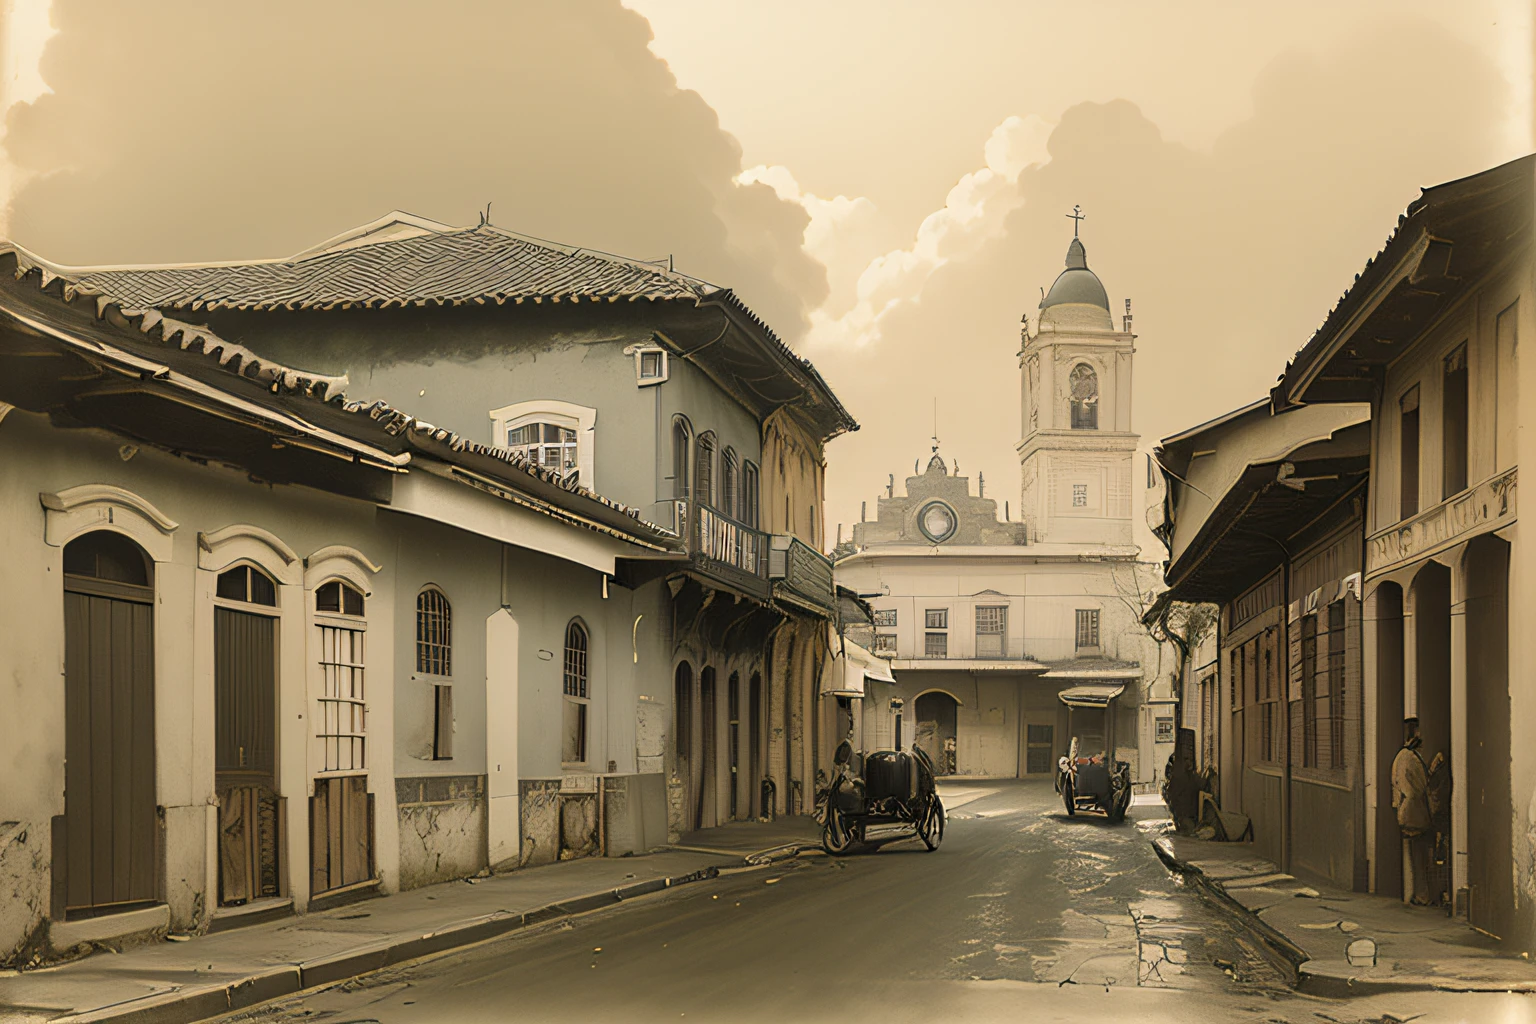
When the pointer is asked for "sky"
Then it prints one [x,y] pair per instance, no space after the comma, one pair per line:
[885,181]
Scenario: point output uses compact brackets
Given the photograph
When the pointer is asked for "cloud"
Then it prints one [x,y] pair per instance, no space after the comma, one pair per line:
[179,130]
[1232,256]
[973,212]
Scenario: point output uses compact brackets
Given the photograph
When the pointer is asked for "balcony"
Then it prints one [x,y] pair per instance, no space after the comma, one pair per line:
[801,575]
[721,549]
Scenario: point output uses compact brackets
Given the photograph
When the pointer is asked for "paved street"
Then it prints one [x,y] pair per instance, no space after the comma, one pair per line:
[1022,910]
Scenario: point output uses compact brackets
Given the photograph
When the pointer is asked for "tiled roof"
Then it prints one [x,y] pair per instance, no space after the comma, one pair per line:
[327,391]
[402,260]
[446,266]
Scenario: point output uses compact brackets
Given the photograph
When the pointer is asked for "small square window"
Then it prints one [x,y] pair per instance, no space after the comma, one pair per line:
[885,616]
[885,643]
[936,645]
[937,618]
[650,365]
[1079,495]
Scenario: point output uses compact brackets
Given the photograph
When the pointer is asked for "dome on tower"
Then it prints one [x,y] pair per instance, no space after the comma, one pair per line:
[1078,298]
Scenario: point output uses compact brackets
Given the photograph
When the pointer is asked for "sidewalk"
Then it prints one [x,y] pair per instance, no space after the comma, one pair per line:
[1341,943]
[757,842]
[165,982]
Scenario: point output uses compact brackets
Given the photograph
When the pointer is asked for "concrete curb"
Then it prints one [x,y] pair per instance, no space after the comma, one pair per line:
[1334,979]
[187,1005]
[1283,954]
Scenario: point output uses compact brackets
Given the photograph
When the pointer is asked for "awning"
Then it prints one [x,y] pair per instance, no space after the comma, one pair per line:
[850,667]
[1090,696]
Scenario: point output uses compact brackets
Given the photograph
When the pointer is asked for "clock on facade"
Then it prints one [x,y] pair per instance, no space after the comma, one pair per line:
[937,521]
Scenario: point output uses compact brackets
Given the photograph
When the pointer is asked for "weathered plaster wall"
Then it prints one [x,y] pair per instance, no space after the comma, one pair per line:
[34,458]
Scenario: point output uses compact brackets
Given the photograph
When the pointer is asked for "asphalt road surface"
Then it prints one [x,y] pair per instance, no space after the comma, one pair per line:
[1023,914]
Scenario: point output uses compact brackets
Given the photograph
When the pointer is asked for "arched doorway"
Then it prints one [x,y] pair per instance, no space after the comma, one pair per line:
[1491,902]
[935,731]
[109,856]
[757,740]
[682,741]
[733,740]
[1386,611]
[708,812]
[1430,596]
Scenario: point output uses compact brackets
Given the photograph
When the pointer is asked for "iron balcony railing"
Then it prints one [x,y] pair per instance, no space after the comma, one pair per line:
[719,545]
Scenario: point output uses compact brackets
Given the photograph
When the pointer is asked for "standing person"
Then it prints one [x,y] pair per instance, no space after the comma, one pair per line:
[1415,819]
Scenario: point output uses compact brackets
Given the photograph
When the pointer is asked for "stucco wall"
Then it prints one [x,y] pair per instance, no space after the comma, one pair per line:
[34,458]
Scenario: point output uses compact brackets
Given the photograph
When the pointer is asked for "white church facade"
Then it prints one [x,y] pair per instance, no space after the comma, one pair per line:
[984,620]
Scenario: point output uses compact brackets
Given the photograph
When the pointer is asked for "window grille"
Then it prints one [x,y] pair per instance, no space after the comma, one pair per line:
[575,660]
[343,724]
[1336,683]
[937,618]
[434,625]
[936,645]
[885,643]
[1087,627]
[885,616]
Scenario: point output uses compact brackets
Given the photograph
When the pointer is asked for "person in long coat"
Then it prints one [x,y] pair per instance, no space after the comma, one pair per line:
[1411,799]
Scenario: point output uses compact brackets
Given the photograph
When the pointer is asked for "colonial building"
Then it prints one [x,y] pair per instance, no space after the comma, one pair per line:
[984,619]
[245,613]
[1428,336]
[363,651]
[1263,515]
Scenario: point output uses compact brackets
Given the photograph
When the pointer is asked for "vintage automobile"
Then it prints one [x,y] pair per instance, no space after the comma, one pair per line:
[1089,777]
[895,787]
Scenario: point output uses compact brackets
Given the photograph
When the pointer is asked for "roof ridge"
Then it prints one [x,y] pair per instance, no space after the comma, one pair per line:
[240,361]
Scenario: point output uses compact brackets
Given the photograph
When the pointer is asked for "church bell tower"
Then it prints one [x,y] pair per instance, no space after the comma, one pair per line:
[1078,449]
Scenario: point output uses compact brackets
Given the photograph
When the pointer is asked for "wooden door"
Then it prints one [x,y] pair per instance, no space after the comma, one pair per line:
[1040,755]
[110,859]
[245,754]
[708,815]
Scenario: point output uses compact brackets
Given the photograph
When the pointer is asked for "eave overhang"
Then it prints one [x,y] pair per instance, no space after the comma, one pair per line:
[1246,535]
[1447,240]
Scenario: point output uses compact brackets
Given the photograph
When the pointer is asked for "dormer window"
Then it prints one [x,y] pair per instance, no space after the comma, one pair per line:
[556,436]
[1085,397]
[550,445]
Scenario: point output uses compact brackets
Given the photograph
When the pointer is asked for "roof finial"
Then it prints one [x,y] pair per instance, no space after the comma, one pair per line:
[935,425]
[1077,216]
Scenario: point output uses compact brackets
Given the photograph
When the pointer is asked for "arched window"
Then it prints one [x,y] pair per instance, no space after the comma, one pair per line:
[682,443]
[1085,397]
[244,583]
[338,598]
[682,710]
[704,470]
[434,633]
[574,746]
[749,492]
[105,555]
[728,475]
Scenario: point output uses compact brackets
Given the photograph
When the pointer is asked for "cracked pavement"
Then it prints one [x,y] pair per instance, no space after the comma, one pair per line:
[1022,911]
